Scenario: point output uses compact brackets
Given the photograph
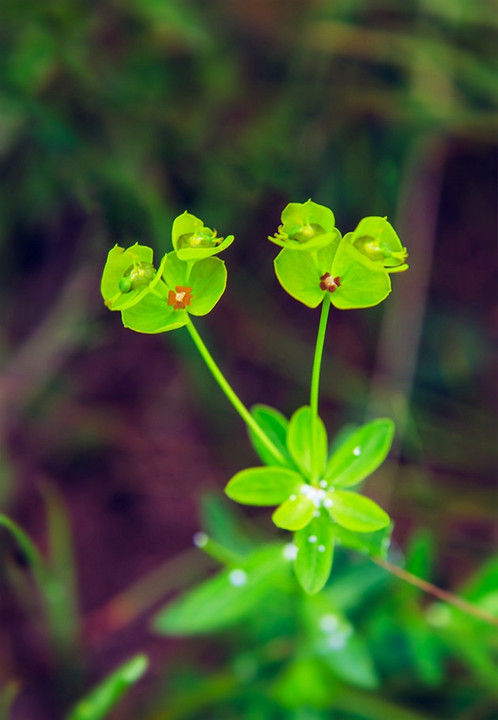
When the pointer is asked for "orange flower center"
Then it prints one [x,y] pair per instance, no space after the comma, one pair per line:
[329,283]
[180,297]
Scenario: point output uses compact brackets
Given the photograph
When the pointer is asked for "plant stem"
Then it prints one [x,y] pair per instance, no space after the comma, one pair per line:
[315,378]
[431,589]
[230,393]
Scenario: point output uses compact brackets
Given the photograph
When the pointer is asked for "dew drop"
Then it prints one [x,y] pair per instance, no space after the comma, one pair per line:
[290,551]
[237,577]
[357,451]
[200,539]
[312,539]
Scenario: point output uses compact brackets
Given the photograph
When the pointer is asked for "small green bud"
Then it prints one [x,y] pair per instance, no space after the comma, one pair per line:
[125,284]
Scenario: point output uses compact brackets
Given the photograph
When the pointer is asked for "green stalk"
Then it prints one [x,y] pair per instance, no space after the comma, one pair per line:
[315,378]
[230,393]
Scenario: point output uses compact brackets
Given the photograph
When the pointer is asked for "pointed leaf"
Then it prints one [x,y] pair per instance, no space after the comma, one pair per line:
[295,513]
[98,703]
[275,425]
[263,486]
[355,512]
[315,548]
[227,598]
[360,454]
[309,452]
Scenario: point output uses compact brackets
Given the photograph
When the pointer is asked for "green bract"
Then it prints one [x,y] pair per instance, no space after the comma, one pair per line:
[128,275]
[376,238]
[308,486]
[192,240]
[306,226]
[337,271]
[182,289]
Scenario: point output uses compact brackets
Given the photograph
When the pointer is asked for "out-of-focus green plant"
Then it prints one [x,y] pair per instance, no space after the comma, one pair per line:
[102,699]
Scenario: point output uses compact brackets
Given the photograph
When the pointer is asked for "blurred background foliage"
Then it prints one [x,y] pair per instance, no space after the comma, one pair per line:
[115,116]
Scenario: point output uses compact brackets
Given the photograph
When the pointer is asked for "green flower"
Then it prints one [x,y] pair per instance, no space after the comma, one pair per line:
[306,226]
[192,240]
[338,271]
[309,487]
[376,238]
[127,276]
[181,289]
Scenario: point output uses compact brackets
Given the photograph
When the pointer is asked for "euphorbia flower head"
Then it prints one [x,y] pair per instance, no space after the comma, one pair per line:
[376,238]
[306,226]
[192,240]
[338,272]
[182,289]
[128,275]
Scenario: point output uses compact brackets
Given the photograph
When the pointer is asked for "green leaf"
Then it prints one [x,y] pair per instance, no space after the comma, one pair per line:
[315,548]
[309,453]
[227,598]
[295,513]
[352,662]
[263,486]
[360,454]
[363,283]
[305,682]
[275,425]
[98,703]
[355,512]
[152,314]
[193,241]
[375,544]
[225,524]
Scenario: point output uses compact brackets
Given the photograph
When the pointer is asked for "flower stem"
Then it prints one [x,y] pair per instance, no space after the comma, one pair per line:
[315,379]
[230,393]
[441,594]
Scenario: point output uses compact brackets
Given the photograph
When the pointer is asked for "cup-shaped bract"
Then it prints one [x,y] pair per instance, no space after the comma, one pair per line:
[337,271]
[183,289]
[193,241]
[306,226]
[128,275]
[376,238]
